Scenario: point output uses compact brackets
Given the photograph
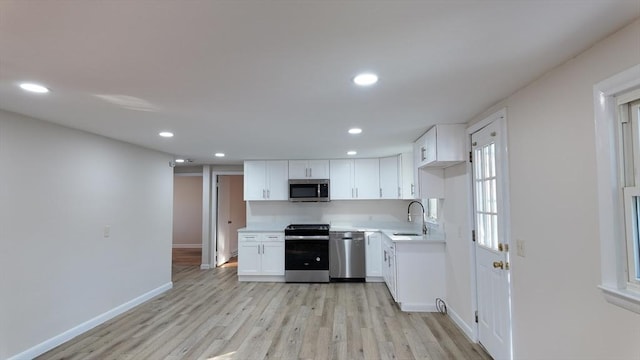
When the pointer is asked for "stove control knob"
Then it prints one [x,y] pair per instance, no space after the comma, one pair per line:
[318,259]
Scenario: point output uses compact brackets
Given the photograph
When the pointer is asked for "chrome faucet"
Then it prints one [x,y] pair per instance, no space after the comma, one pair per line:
[424,215]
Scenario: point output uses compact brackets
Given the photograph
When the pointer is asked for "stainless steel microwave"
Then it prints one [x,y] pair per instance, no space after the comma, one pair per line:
[309,190]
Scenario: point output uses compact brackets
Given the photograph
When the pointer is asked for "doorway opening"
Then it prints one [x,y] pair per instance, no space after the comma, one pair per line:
[187,219]
[231,216]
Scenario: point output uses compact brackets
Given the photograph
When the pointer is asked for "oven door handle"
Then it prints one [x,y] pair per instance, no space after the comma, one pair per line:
[306,237]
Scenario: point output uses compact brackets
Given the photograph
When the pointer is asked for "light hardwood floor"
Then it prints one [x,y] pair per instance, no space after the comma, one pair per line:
[182,256]
[210,315]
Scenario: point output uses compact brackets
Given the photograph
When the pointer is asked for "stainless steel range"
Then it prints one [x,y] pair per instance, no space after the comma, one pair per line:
[306,253]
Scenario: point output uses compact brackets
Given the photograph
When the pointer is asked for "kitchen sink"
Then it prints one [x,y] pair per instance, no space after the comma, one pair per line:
[406,234]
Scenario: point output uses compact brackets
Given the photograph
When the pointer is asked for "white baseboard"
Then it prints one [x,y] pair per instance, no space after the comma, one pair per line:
[418,307]
[187,246]
[205,267]
[88,325]
[466,328]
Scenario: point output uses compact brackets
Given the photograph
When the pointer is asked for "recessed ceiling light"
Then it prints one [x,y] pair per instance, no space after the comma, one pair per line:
[355,131]
[219,154]
[365,79]
[166,134]
[352,152]
[179,160]
[36,88]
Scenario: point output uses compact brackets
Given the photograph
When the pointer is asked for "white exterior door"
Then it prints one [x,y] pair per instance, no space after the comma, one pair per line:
[492,258]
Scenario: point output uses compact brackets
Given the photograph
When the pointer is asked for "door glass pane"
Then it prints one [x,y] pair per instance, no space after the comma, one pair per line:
[486,195]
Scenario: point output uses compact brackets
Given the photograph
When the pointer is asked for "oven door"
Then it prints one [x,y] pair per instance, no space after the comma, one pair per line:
[306,255]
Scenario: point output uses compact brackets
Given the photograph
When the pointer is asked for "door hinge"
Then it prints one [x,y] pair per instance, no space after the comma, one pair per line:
[473,235]
[476,316]
[470,156]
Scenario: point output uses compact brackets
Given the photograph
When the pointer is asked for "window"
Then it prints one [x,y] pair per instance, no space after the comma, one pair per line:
[629,164]
[617,121]
[432,210]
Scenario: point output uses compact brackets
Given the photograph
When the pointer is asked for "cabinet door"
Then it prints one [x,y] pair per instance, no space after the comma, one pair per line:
[318,169]
[254,180]
[249,252]
[298,169]
[385,265]
[431,145]
[272,258]
[417,153]
[367,178]
[341,176]
[393,285]
[277,180]
[407,176]
[373,253]
[389,175]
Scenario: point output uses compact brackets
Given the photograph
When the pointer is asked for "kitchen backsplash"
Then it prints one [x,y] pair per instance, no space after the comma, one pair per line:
[364,213]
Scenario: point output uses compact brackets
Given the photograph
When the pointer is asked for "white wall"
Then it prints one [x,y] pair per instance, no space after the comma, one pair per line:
[558,311]
[58,189]
[458,264]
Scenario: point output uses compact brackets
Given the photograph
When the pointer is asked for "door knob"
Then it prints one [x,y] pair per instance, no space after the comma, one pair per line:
[229,222]
[498,265]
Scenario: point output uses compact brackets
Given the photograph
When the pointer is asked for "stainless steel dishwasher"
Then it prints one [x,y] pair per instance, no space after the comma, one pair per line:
[347,256]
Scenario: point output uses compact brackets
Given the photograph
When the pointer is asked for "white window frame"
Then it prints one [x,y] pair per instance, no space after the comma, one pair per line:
[615,284]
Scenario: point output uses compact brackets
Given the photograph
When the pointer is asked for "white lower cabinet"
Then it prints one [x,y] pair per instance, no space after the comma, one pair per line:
[414,273]
[373,256]
[389,266]
[261,256]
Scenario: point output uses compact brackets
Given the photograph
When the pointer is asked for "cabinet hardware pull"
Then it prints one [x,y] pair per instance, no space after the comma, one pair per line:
[310,172]
[380,192]
[258,249]
[264,192]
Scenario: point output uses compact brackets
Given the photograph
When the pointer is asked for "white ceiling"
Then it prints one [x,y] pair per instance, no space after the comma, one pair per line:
[272,79]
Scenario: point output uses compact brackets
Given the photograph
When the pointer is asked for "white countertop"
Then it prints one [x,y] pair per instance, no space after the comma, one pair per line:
[386,229]
[266,227]
[429,238]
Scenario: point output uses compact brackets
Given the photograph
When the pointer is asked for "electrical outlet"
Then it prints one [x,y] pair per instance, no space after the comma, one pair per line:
[520,247]
[107,231]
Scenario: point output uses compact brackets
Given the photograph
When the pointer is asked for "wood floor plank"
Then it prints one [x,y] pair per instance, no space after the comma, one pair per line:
[210,315]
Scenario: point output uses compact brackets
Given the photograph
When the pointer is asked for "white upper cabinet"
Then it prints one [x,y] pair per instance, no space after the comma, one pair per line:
[354,179]
[442,146]
[308,169]
[341,179]
[367,178]
[407,184]
[390,178]
[266,180]
[428,181]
